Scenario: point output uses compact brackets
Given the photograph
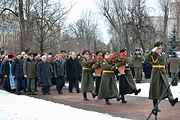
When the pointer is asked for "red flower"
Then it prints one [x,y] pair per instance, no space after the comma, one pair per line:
[109,60]
[119,54]
[89,65]
[98,60]
[92,60]
[114,53]
[124,60]
[100,64]
[122,56]
[113,63]
[117,58]
[98,57]
[114,57]
[95,63]
[114,60]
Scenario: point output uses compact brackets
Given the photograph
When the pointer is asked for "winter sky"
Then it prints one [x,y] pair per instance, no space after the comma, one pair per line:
[84,5]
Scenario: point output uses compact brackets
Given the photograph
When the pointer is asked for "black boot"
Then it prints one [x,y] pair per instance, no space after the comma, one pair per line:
[118,97]
[123,99]
[137,91]
[154,103]
[172,100]
[93,94]
[107,101]
[85,96]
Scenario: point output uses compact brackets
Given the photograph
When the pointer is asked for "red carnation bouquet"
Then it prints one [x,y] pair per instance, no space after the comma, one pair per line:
[97,61]
[89,60]
[120,60]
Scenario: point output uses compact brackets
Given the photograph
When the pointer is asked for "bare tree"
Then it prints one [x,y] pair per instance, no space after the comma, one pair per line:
[164,5]
[48,18]
[86,30]
[129,19]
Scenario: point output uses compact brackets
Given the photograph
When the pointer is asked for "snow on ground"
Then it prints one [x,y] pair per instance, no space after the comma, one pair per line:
[14,107]
[145,90]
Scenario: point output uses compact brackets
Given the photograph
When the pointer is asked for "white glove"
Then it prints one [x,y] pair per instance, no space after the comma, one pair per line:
[154,49]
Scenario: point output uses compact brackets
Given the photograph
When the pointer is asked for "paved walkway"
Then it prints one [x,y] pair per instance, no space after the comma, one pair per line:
[137,108]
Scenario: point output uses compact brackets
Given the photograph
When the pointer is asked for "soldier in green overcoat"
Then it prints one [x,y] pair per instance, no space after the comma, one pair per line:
[174,67]
[126,82]
[159,78]
[108,88]
[138,58]
[87,84]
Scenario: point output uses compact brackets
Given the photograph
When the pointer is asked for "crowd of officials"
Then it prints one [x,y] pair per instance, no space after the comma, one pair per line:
[28,71]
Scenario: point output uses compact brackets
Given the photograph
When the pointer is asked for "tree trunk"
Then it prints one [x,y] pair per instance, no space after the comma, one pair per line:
[22,26]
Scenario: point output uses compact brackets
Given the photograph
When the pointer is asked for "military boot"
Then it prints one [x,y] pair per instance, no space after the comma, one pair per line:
[172,100]
[93,94]
[137,91]
[123,99]
[107,102]
[85,96]
[154,103]
[118,97]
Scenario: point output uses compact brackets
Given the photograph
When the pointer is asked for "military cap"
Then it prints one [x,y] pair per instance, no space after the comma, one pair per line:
[30,54]
[10,56]
[50,53]
[123,50]
[85,51]
[158,44]
[99,52]
[35,54]
[175,49]
[63,51]
[137,49]
[105,53]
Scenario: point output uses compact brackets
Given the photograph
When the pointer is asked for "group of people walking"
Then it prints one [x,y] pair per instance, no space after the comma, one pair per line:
[35,70]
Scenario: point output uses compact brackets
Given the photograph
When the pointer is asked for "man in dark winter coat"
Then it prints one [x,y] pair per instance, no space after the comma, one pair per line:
[73,72]
[59,73]
[17,72]
[44,74]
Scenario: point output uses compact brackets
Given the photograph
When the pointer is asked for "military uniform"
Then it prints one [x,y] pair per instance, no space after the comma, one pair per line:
[174,67]
[138,58]
[87,84]
[126,82]
[159,78]
[98,77]
[108,88]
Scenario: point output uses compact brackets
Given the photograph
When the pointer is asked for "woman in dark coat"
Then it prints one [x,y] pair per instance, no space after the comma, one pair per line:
[44,74]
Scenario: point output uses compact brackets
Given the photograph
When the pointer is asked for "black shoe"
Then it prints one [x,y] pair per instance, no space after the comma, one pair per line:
[158,110]
[60,92]
[85,99]
[70,91]
[78,91]
[25,91]
[118,98]
[18,93]
[49,93]
[33,94]
[137,91]
[138,82]
[108,103]
[93,94]
[174,101]
[124,101]
[44,93]
[30,94]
